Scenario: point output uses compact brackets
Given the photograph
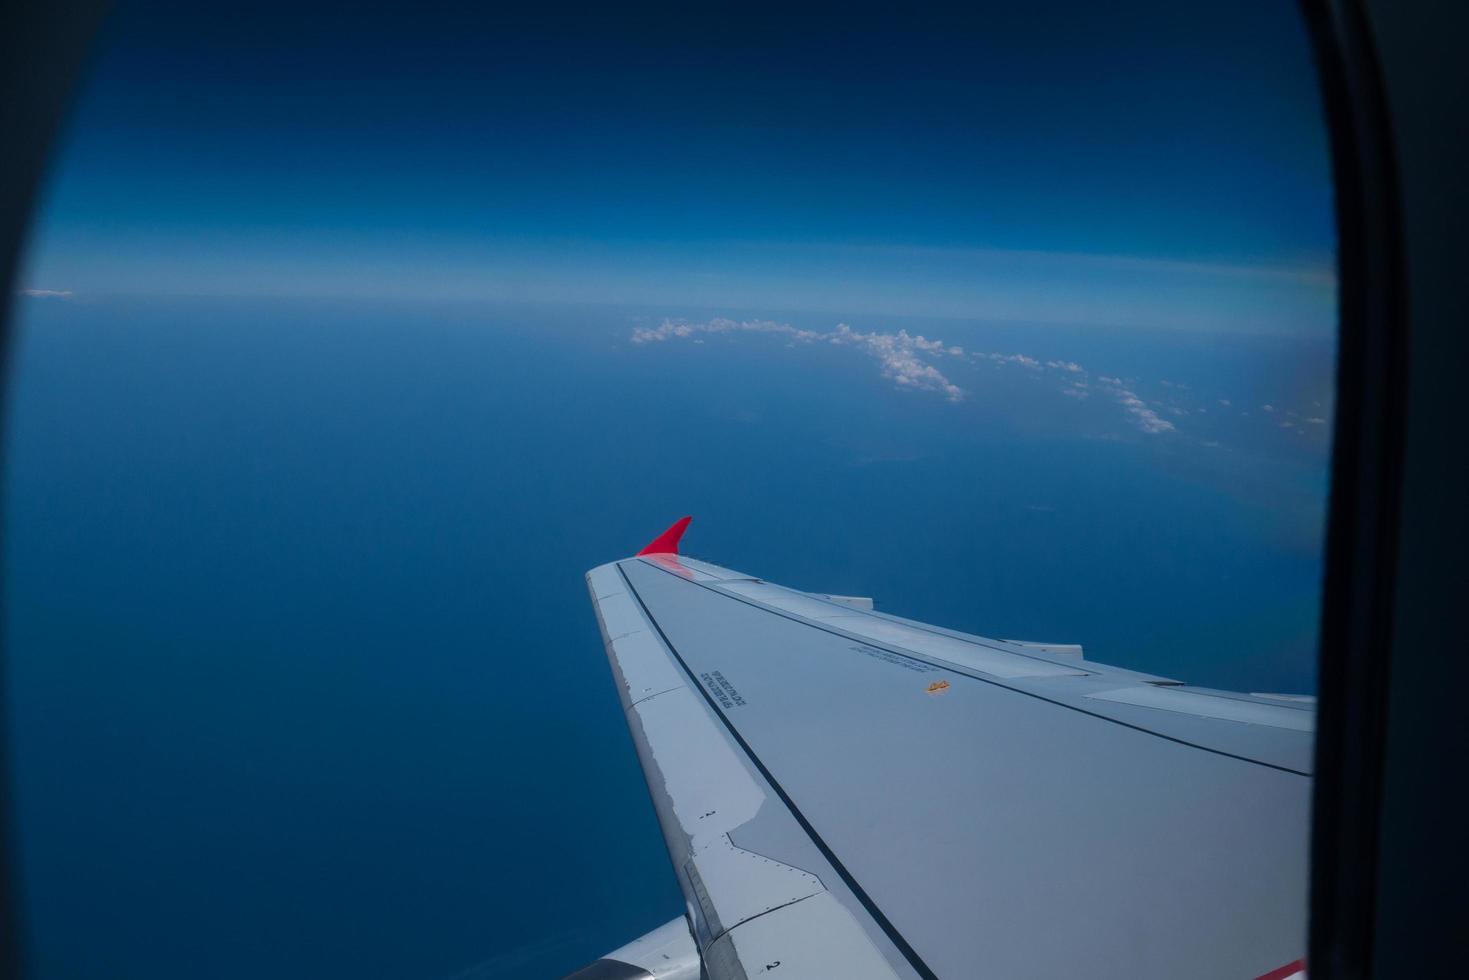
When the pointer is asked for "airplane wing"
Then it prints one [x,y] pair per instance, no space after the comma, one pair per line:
[849,794]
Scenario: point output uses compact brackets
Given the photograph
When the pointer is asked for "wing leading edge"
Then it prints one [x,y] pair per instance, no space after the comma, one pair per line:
[847,793]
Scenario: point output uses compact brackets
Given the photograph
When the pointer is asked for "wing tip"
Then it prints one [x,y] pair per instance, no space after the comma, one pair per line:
[667,542]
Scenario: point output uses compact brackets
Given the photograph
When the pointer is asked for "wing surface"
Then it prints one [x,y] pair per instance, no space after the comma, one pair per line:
[845,793]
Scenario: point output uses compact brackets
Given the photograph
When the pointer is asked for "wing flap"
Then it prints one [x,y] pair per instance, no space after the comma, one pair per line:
[1206,705]
[925,643]
[782,942]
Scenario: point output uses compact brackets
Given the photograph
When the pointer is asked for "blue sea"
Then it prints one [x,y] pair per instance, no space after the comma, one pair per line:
[303,678]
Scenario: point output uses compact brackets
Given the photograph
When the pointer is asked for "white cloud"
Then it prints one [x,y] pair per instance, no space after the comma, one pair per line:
[901,355]
[898,355]
[1142,416]
[1267,408]
[47,293]
[1021,359]
[921,342]
[911,362]
[1137,410]
[670,329]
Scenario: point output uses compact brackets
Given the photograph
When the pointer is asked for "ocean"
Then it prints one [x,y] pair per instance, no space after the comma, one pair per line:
[302,675]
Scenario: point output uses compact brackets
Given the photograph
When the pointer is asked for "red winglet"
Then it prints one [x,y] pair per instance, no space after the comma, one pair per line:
[667,542]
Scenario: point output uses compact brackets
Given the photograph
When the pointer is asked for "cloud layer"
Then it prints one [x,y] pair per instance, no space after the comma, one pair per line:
[912,363]
[1138,411]
[905,358]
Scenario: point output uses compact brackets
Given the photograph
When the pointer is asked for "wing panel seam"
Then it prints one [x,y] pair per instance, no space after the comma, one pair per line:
[891,931]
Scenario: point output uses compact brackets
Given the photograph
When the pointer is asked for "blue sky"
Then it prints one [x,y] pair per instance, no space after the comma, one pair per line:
[1152,166]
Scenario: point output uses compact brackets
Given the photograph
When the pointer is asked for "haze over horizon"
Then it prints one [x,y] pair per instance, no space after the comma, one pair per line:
[931,163]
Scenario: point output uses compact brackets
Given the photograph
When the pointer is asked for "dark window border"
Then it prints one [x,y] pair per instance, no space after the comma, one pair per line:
[1363,519]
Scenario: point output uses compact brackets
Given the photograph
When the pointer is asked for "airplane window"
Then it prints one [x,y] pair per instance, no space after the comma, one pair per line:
[349,340]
